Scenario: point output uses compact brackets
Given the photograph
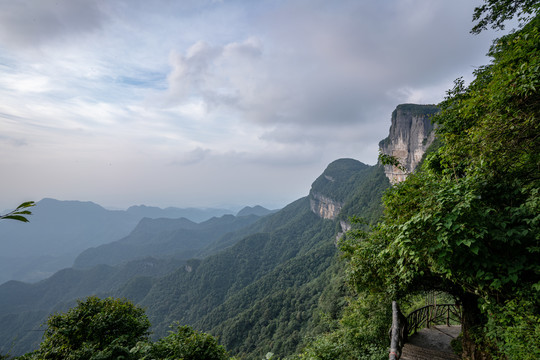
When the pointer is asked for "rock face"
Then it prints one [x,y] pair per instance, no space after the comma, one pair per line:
[323,206]
[411,133]
[330,190]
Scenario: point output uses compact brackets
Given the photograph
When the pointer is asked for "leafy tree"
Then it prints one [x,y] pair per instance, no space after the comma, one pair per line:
[496,12]
[184,343]
[20,212]
[94,329]
[360,334]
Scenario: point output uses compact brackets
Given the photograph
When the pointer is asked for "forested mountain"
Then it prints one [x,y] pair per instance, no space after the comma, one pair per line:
[179,238]
[60,230]
[25,307]
[259,285]
[466,223]
[254,210]
[260,293]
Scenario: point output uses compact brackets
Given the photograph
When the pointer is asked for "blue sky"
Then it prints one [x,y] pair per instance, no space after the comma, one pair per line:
[212,103]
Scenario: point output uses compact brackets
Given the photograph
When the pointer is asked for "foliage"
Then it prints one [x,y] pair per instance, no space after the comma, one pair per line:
[20,212]
[468,222]
[496,12]
[386,159]
[184,343]
[94,329]
[361,333]
[515,327]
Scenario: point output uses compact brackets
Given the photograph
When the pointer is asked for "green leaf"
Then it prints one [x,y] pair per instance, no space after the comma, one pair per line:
[16,217]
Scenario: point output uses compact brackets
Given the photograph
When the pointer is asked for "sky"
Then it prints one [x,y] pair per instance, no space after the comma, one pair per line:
[212,103]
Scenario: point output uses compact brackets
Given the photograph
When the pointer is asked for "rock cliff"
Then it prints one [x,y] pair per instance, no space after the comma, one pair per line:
[330,190]
[411,133]
[324,206]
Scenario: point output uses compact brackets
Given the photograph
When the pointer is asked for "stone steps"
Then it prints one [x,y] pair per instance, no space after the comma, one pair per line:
[414,352]
[431,344]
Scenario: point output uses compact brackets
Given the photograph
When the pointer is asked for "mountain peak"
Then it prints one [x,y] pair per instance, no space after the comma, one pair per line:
[411,133]
[330,190]
[255,210]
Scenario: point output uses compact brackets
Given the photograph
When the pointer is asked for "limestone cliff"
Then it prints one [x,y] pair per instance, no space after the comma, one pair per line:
[411,133]
[324,206]
[330,190]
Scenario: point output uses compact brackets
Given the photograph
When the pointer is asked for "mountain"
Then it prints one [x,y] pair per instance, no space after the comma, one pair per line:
[258,294]
[194,214]
[255,210]
[60,230]
[265,287]
[179,238]
[25,307]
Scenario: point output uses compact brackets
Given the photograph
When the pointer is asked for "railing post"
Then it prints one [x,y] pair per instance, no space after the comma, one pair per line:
[398,332]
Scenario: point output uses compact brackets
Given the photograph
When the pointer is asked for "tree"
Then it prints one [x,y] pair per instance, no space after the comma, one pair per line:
[496,12]
[184,343]
[468,221]
[94,329]
[20,212]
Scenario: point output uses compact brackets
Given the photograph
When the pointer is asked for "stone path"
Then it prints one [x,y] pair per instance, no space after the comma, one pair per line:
[431,344]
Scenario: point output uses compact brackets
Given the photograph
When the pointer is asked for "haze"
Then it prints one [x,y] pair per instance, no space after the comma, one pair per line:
[212,103]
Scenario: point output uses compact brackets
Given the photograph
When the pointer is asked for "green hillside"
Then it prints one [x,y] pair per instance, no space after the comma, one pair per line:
[179,238]
[264,291]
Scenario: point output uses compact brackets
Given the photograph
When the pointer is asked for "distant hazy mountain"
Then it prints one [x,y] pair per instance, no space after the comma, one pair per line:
[60,230]
[255,210]
[179,238]
[193,214]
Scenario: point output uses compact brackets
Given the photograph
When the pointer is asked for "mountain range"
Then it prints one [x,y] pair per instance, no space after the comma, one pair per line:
[60,230]
[263,284]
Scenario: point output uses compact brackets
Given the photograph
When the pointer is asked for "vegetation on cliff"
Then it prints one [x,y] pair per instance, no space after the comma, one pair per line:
[467,222]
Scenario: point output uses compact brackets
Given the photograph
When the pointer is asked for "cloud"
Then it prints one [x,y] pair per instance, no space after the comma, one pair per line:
[28,23]
[181,93]
[210,73]
[194,156]
[16,142]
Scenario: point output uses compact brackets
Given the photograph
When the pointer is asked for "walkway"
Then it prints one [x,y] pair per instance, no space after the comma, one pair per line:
[431,344]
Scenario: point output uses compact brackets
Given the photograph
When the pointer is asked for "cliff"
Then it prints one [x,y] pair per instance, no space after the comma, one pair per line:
[330,190]
[411,133]
[324,206]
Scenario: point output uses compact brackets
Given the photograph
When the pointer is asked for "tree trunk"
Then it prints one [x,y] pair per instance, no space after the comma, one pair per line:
[471,323]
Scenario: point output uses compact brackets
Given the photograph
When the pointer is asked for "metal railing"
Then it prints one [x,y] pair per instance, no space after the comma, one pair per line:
[435,314]
[424,317]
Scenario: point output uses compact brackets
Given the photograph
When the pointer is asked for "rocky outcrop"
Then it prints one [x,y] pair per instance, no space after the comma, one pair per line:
[323,206]
[411,133]
[345,226]
[330,190]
